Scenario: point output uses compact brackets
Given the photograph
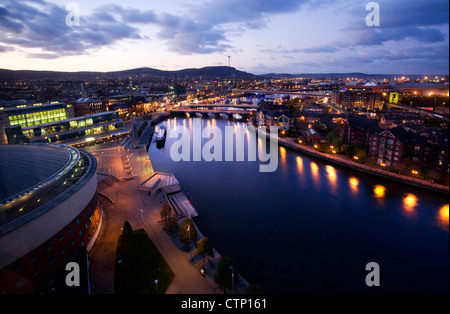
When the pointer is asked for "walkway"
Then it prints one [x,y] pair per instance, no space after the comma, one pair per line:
[187,280]
[341,160]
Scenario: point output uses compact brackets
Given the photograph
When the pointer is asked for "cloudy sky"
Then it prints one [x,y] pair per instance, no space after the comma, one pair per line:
[261,36]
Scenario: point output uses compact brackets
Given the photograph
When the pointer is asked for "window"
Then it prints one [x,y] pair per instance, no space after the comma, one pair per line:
[60,238]
[33,258]
[48,247]
[37,271]
[16,268]
[63,250]
[52,260]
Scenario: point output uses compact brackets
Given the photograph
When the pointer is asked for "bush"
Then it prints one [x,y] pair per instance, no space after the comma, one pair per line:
[223,273]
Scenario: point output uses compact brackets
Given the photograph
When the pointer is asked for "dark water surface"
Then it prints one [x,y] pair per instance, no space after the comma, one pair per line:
[311,227]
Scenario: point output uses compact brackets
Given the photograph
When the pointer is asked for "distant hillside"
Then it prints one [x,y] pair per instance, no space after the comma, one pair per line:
[207,72]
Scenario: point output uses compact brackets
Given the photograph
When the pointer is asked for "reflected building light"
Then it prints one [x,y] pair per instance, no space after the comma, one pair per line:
[379,191]
[331,174]
[315,172]
[409,204]
[443,217]
[300,164]
[354,183]
[283,153]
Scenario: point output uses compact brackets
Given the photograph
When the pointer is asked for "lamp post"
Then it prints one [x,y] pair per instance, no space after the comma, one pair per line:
[232,278]
[156,283]
[189,231]
[142,216]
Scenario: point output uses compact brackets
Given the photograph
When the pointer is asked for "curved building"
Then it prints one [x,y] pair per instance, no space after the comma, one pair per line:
[48,214]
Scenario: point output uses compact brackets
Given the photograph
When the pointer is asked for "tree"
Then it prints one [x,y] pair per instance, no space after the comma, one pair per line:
[188,235]
[169,218]
[223,275]
[205,248]
[127,230]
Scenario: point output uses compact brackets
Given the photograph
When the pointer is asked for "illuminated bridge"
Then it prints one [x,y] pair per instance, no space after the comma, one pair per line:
[284,92]
[216,110]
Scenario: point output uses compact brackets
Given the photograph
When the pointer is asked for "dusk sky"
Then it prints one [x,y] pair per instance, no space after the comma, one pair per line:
[261,36]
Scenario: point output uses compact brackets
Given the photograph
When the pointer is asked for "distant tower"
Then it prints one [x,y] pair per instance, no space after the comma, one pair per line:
[229,68]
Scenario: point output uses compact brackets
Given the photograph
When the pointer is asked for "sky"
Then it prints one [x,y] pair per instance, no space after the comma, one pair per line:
[260,36]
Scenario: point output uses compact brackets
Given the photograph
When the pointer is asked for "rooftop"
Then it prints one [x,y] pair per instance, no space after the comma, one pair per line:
[35,178]
[25,166]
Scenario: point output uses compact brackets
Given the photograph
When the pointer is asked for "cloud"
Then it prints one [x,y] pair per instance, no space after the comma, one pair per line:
[202,29]
[6,48]
[41,24]
[401,19]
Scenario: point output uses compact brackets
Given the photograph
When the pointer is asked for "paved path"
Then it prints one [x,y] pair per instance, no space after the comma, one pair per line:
[187,280]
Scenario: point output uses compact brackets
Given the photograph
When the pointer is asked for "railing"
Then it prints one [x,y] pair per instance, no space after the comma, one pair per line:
[365,168]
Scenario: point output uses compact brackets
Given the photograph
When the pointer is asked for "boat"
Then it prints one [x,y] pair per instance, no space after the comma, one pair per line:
[161,133]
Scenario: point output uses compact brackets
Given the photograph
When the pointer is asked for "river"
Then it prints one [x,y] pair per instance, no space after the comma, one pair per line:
[311,227]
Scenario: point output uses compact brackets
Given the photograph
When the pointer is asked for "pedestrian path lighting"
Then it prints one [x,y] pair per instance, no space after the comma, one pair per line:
[232,278]
[189,231]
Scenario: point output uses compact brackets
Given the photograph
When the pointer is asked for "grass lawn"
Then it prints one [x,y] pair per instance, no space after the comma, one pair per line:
[140,265]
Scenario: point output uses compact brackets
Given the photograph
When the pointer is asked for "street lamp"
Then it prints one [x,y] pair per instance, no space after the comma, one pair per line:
[232,278]
[156,283]
[142,215]
[189,231]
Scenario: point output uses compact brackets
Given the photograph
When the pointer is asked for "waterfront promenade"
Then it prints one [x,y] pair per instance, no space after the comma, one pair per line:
[121,200]
[344,161]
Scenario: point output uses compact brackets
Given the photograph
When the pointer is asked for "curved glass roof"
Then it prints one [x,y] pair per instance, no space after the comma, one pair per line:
[26,168]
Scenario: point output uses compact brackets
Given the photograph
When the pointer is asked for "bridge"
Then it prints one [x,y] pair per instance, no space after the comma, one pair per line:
[283,92]
[425,112]
[216,112]
[208,106]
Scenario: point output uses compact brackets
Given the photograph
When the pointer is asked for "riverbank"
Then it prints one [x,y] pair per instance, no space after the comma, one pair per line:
[340,160]
[124,202]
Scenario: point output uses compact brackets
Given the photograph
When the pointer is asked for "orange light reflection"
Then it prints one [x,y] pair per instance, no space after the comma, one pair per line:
[315,170]
[331,174]
[409,204]
[379,191]
[300,164]
[443,217]
[354,183]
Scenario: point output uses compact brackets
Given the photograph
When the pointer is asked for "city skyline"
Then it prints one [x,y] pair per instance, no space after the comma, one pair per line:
[304,36]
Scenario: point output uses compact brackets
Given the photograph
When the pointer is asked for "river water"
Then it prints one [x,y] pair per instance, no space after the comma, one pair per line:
[311,227]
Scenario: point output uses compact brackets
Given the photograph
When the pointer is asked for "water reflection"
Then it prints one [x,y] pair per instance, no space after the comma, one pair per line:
[283,156]
[409,204]
[442,218]
[315,171]
[379,191]
[354,183]
[332,175]
[300,164]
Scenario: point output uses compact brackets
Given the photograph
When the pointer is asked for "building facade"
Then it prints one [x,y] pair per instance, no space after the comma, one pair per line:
[357,99]
[49,217]
[25,116]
